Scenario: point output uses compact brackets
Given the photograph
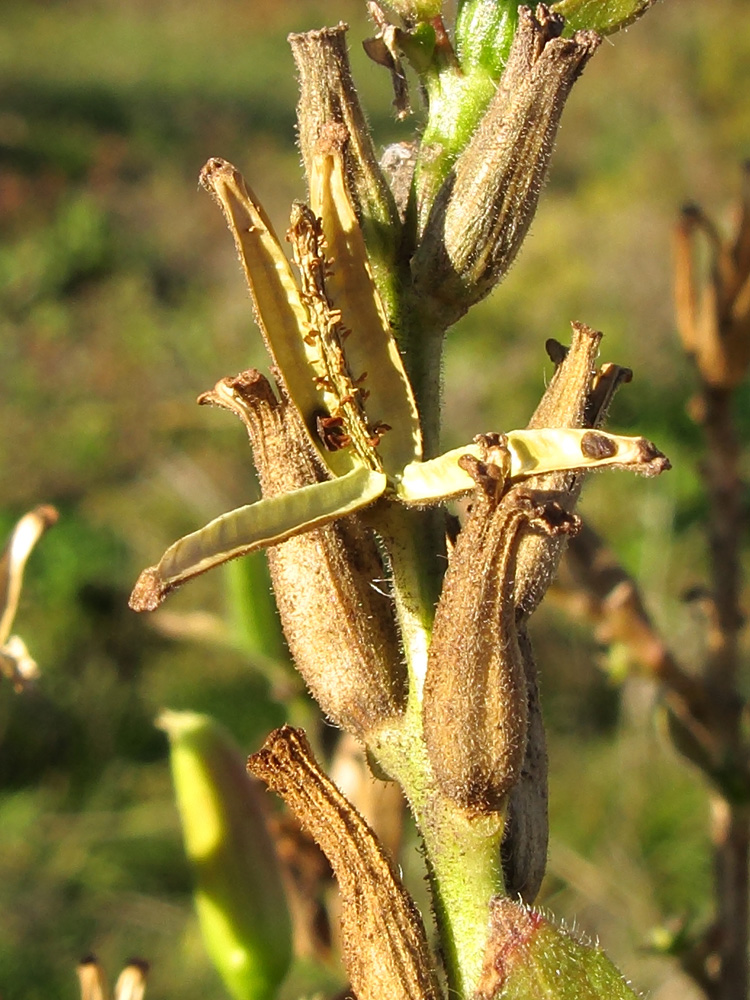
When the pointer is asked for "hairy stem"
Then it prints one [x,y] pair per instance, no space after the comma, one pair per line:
[462,851]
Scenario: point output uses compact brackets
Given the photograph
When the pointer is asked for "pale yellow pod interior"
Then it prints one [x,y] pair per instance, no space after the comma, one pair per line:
[371,347]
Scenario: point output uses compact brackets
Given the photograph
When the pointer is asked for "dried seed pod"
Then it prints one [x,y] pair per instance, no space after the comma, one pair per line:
[474,704]
[485,206]
[565,403]
[385,946]
[476,697]
[523,851]
[328,113]
[577,396]
[475,708]
[304,325]
[713,314]
[329,109]
[339,627]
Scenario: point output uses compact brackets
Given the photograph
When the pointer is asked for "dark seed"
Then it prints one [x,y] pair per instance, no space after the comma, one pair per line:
[555,351]
[597,446]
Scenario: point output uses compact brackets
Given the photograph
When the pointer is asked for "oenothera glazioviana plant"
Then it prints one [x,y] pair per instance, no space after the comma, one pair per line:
[434,675]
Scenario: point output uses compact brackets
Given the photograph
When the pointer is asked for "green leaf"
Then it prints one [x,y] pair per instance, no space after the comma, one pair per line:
[528,956]
[266,522]
[239,894]
[604,16]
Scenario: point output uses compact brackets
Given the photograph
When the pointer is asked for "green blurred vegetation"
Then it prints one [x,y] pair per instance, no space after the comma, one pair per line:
[120,301]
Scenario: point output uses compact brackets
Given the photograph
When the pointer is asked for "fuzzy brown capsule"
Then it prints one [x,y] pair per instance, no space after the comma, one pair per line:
[523,852]
[329,113]
[385,945]
[578,395]
[339,627]
[475,708]
[483,211]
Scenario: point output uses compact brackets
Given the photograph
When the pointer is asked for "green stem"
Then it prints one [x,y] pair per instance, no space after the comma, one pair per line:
[463,851]
[464,860]
[457,102]
[463,854]
[421,340]
[414,542]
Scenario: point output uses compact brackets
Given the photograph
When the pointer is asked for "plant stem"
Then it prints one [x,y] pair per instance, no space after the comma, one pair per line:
[421,339]
[730,831]
[414,543]
[724,489]
[464,862]
[731,820]
[463,854]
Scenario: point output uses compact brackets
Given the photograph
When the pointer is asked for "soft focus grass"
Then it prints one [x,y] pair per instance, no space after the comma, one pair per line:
[120,301]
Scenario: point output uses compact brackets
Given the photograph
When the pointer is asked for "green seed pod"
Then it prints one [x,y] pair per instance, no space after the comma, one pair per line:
[528,956]
[239,894]
[484,32]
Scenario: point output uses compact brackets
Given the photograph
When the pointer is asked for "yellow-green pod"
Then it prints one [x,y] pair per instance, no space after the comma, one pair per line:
[239,895]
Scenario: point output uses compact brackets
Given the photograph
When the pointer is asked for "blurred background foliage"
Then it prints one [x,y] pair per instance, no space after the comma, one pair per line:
[120,301]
